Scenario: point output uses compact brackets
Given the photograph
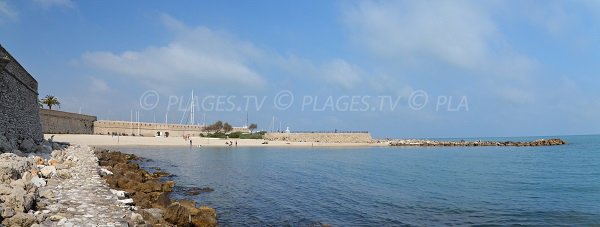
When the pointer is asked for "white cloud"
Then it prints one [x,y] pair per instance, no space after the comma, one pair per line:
[340,72]
[58,3]
[99,86]
[424,34]
[455,32]
[6,12]
[197,56]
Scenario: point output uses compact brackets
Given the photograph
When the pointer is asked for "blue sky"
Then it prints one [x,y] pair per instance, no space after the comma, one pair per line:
[521,67]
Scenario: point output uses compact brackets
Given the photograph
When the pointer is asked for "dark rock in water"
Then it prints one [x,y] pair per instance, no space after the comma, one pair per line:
[159,174]
[148,192]
[462,143]
[196,190]
[185,213]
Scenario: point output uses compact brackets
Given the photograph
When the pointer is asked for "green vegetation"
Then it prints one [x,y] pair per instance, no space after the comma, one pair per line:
[223,130]
[50,101]
[235,135]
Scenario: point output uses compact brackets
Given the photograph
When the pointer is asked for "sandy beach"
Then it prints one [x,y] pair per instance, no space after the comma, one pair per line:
[106,140]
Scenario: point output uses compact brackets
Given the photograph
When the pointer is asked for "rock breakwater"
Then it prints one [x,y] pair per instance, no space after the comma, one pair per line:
[151,196]
[462,143]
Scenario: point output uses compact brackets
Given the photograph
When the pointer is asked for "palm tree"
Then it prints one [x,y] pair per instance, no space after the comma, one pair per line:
[50,101]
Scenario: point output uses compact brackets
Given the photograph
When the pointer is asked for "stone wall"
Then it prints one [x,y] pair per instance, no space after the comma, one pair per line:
[59,122]
[19,108]
[321,137]
[151,129]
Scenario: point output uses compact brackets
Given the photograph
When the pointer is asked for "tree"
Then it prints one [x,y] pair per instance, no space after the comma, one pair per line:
[50,101]
[252,127]
[227,127]
[216,127]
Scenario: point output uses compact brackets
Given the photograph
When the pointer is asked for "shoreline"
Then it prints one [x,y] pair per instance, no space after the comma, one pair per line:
[149,192]
[106,140]
[199,142]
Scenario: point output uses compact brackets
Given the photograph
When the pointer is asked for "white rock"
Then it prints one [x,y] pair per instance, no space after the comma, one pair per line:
[57,218]
[48,171]
[38,182]
[119,194]
[105,172]
[126,201]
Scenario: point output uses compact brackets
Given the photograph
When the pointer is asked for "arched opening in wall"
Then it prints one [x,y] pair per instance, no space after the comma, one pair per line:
[166,134]
[158,134]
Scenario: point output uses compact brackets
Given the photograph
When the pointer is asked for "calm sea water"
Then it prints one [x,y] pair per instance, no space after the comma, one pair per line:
[392,186]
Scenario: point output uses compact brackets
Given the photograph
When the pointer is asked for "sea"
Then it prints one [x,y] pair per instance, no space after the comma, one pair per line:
[390,186]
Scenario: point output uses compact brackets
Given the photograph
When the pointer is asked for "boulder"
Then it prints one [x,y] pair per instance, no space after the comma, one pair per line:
[63,173]
[48,171]
[43,149]
[38,182]
[27,145]
[136,219]
[7,212]
[12,166]
[20,219]
[152,215]
[104,172]
[19,199]
[185,213]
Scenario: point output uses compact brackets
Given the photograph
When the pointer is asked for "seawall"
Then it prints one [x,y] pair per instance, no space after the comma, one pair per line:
[151,129]
[59,122]
[351,137]
[19,108]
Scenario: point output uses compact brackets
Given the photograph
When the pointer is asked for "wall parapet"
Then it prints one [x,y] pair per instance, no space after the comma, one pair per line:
[328,137]
[60,122]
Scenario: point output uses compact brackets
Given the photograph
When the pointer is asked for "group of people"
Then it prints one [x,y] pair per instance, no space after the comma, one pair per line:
[230,143]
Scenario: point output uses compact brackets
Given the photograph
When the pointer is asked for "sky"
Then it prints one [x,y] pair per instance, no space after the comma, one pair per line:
[409,69]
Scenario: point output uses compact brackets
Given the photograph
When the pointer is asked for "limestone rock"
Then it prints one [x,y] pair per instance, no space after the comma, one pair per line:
[48,171]
[20,219]
[12,166]
[126,201]
[63,173]
[104,172]
[56,217]
[7,212]
[136,218]
[152,215]
[38,182]
[119,194]
[185,213]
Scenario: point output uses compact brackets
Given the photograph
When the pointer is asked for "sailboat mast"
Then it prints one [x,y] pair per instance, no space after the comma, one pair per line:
[192,110]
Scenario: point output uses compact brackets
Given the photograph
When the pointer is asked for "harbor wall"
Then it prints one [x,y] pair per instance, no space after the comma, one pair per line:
[19,107]
[151,129]
[59,122]
[359,137]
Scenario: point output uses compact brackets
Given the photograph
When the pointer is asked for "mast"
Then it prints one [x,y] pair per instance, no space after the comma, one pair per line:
[192,110]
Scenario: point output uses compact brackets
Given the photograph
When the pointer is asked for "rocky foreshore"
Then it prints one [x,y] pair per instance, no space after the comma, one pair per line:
[462,143]
[149,195]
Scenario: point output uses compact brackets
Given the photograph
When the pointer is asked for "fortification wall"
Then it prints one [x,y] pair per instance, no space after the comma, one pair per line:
[19,108]
[321,137]
[59,122]
[150,129]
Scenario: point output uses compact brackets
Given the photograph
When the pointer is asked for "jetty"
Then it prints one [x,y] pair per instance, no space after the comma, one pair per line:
[478,143]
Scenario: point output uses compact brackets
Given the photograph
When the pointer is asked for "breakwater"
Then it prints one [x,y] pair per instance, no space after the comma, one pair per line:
[462,143]
[321,137]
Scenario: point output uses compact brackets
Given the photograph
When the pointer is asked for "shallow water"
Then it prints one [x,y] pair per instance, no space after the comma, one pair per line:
[391,186]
